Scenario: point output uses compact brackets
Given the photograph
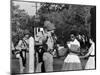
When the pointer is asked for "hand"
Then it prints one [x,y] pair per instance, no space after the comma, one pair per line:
[18,56]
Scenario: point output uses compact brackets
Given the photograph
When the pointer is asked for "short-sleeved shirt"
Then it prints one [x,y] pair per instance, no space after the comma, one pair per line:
[74,45]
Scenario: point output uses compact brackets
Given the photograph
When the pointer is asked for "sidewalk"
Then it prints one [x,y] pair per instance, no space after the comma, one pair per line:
[57,65]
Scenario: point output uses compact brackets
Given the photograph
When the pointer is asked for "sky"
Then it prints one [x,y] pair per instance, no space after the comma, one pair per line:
[29,7]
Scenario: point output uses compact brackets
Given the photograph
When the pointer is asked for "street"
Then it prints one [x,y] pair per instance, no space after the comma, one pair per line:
[57,65]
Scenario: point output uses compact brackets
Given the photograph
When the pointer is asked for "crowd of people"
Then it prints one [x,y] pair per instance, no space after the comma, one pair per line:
[36,52]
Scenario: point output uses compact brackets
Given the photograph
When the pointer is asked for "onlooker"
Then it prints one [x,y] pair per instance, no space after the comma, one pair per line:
[22,46]
[91,54]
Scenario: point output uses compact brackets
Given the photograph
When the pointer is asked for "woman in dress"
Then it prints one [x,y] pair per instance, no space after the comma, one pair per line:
[91,54]
[72,61]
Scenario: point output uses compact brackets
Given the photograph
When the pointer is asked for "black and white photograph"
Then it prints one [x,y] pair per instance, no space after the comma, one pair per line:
[52,37]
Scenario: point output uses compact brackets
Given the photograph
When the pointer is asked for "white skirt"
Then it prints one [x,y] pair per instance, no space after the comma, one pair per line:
[72,62]
[90,63]
[72,58]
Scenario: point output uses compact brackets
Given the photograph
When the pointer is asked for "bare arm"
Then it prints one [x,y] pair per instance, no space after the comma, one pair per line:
[89,52]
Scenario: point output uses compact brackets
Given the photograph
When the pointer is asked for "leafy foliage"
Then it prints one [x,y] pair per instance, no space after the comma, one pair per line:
[21,23]
[67,18]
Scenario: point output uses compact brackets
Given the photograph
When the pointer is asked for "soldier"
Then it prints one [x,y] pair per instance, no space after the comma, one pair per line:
[48,61]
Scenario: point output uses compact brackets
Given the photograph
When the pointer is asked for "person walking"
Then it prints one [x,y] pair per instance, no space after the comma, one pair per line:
[72,61]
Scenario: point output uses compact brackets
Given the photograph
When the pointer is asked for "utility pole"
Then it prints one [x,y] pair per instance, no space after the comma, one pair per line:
[36,8]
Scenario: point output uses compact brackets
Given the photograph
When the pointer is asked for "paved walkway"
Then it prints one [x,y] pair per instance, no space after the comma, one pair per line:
[57,65]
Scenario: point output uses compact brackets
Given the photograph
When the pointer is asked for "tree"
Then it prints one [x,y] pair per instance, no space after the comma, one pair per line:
[20,23]
[67,17]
